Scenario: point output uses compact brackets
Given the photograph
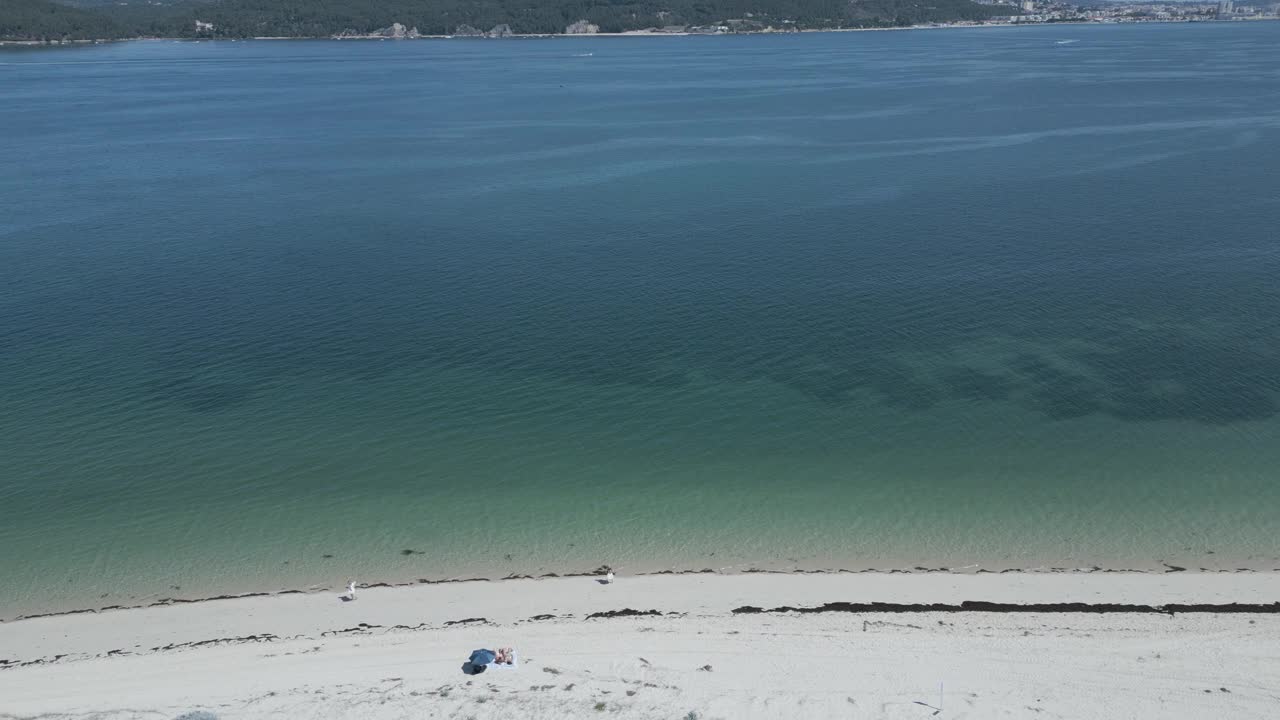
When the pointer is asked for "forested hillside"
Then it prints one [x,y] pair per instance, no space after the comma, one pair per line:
[40,19]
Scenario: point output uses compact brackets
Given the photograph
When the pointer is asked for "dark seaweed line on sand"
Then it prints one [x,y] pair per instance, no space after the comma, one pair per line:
[968,606]
[163,602]
[364,586]
[994,607]
[359,629]
[605,568]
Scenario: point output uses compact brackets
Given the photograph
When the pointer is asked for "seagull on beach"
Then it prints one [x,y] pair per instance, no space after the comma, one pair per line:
[608,578]
[351,590]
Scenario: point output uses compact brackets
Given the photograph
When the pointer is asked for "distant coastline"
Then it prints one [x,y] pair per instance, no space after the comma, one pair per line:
[635,33]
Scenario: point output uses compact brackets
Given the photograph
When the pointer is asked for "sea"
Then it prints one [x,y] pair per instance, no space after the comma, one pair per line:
[283,314]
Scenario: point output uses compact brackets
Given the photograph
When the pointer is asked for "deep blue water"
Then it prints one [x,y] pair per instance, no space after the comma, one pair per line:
[851,299]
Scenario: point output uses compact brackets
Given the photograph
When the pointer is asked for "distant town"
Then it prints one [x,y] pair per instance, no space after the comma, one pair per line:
[1030,11]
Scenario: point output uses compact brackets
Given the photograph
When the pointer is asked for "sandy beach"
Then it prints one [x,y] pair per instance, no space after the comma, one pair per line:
[679,646]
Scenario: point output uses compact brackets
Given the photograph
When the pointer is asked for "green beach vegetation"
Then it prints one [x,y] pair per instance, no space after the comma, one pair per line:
[44,20]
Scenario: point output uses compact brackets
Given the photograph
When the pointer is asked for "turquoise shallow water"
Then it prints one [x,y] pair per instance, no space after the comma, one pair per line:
[274,313]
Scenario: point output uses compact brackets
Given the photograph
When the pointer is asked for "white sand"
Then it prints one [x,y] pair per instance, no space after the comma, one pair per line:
[872,665]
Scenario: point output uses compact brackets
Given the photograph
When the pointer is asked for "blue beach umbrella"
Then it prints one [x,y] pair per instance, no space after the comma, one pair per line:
[479,659]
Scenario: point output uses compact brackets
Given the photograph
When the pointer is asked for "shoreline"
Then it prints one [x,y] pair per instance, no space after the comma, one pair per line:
[970,571]
[717,646]
[627,33]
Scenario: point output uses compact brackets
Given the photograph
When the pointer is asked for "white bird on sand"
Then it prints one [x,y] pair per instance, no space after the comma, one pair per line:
[351,590]
[608,578]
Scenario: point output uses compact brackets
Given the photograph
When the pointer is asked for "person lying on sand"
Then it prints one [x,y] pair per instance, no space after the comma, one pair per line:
[480,660]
